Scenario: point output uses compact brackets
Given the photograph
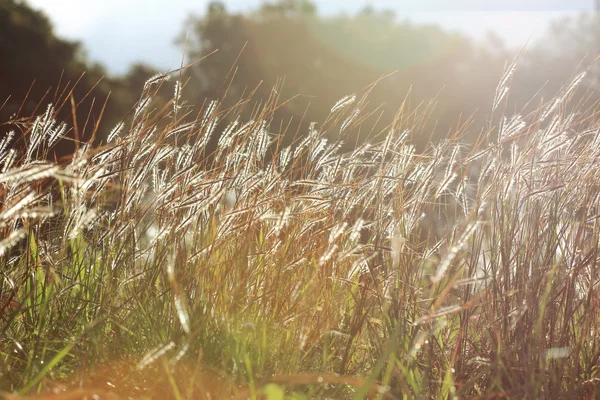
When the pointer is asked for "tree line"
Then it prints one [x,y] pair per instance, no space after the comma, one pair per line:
[311,61]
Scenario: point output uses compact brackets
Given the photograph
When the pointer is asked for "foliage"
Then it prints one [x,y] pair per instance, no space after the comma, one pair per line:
[209,248]
[321,59]
[38,67]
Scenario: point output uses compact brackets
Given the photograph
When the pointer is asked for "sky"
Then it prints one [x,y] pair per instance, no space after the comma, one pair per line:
[118,33]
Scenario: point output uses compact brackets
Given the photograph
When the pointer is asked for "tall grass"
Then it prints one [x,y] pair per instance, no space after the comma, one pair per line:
[152,267]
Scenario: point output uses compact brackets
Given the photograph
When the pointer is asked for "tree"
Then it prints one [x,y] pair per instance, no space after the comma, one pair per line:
[325,58]
[39,68]
[570,45]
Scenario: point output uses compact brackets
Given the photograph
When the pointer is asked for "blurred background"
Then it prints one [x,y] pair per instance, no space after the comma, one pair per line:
[440,59]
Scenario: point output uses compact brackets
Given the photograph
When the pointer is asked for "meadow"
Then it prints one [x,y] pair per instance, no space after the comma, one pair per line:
[155,266]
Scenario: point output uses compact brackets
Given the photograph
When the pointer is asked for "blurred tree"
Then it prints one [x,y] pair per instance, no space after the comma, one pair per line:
[570,45]
[38,68]
[326,58]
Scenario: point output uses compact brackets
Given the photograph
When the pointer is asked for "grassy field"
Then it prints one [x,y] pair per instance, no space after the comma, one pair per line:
[152,267]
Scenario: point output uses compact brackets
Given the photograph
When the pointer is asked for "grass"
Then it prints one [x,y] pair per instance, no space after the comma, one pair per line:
[152,267]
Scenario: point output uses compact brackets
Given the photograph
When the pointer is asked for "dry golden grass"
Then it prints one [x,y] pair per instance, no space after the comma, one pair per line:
[266,269]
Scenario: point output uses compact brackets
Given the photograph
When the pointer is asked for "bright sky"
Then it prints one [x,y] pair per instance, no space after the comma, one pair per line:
[120,32]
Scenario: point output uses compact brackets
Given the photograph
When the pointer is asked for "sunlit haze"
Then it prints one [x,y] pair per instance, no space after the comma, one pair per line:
[118,33]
